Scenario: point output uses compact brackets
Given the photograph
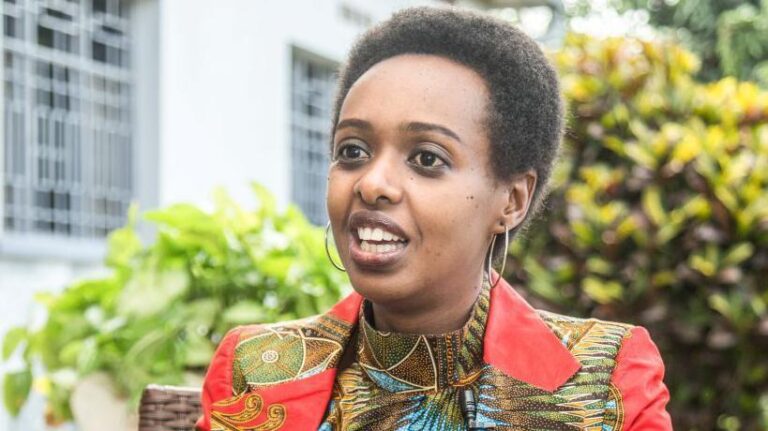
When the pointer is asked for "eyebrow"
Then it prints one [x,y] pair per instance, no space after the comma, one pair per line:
[354,123]
[430,127]
[414,126]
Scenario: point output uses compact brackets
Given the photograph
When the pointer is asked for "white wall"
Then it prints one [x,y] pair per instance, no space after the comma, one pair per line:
[225,87]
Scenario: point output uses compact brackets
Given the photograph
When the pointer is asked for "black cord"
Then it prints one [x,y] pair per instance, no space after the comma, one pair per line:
[469,409]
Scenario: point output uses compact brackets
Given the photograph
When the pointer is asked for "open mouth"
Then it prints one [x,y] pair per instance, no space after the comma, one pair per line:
[376,241]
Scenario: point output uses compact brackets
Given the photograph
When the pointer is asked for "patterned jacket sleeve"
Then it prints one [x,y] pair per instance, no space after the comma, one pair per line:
[638,376]
[218,380]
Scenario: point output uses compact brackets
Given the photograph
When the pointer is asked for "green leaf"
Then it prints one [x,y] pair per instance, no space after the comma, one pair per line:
[598,265]
[720,303]
[244,312]
[185,217]
[69,353]
[12,339]
[87,357]
[707,267]
[653,206]
[151,291]
[738,254]
[124,243]
[197,351]
[542,282]
[16,387]
[600,291]
[202,313]
[276,266]
[267,203]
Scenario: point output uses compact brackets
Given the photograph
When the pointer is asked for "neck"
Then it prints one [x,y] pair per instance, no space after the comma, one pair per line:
[430,315]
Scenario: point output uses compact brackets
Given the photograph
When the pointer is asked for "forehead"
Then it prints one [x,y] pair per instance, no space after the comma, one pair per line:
[417,87]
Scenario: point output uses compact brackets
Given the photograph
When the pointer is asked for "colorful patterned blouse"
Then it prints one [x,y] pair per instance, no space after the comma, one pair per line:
[524,369]
[407,381]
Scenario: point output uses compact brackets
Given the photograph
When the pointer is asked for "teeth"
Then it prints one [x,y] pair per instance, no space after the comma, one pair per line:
[376,234]
[369,247]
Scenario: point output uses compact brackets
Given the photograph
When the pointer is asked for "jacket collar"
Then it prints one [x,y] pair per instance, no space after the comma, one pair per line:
[520,344]
[517,341]
[348,308]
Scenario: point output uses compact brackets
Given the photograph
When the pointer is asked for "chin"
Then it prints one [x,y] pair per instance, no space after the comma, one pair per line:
[380,288]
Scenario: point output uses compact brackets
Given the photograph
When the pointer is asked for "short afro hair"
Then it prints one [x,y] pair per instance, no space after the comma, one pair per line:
[525,125]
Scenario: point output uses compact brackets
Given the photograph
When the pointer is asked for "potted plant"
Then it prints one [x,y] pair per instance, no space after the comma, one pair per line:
[159,313]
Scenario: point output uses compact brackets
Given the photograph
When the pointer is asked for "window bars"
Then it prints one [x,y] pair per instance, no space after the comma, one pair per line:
[67,142]
[312,90]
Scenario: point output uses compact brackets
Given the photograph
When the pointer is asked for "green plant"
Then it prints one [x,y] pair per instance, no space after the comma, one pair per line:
[730,36]
[742,42]
[163,308]
[659,216]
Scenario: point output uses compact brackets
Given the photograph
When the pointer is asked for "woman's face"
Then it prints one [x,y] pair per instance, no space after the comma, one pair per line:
[411,198]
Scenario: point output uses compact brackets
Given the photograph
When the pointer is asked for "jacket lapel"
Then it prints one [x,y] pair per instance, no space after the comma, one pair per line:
[521,345]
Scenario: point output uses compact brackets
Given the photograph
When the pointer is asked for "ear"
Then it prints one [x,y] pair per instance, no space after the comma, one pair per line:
[519,196]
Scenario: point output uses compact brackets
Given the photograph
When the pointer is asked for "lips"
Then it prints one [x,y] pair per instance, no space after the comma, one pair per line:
[376,241]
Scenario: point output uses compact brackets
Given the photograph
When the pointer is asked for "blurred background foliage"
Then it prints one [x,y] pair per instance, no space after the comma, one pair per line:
[658,216]
[159,315]
[729,36]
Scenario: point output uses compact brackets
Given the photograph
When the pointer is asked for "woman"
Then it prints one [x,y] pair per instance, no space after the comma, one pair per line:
[446,127]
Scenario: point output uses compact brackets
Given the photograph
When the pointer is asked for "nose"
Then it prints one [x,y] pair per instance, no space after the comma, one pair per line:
[379,181]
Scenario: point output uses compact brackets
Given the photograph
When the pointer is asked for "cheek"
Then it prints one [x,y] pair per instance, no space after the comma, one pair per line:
[339,192]
[452,219]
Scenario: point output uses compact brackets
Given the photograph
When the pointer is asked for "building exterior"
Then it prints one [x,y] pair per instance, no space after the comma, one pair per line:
[108,102]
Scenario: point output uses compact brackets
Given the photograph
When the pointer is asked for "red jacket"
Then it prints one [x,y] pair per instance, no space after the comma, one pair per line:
[523,343]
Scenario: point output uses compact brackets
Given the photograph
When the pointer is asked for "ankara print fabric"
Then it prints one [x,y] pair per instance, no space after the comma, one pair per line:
[403,382]
[528,369]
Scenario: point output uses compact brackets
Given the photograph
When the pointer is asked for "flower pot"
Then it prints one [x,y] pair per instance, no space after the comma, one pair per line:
[96,406]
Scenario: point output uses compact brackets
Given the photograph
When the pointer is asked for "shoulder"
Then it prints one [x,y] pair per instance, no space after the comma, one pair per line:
[270,354]
[639,382]
[573,331]
[638,395]
[267,354]
[629,343]
[306,332]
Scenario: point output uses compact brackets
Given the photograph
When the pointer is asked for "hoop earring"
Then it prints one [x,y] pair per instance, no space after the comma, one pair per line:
[504,258]
[328,252]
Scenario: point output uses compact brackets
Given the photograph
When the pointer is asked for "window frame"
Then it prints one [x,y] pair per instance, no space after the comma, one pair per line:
[298,172]
[141,74]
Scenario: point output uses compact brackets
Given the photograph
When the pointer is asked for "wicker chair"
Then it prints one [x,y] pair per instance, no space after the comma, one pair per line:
[169,408]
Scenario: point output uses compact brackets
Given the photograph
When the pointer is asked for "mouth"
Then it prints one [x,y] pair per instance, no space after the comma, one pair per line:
[376,241]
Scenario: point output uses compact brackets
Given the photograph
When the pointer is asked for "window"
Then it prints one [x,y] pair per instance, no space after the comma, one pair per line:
[313,84]
[67,145]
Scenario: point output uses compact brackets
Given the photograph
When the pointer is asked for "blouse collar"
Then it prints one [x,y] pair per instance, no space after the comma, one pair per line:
[516,340]
[401,362]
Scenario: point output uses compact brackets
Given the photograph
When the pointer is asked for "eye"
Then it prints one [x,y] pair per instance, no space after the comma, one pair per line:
[351,152]
[427,159]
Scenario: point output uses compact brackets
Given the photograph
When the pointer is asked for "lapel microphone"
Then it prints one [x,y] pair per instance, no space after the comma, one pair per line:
[469,408]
